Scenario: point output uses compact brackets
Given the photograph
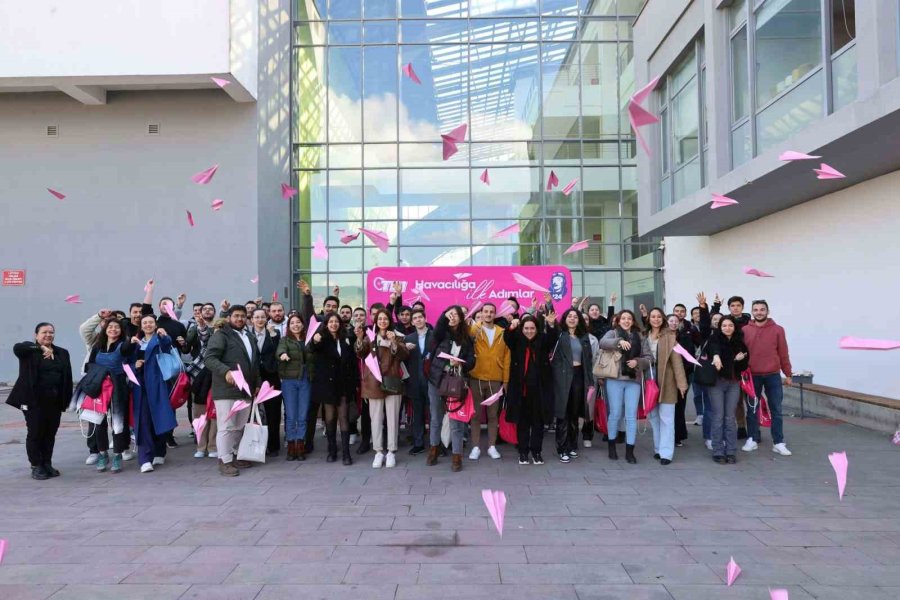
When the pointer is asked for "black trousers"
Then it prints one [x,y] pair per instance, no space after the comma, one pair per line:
[530,426]
[311,418]
[567,428]
[42,427]
[273,423]
[100,437]
[681,432]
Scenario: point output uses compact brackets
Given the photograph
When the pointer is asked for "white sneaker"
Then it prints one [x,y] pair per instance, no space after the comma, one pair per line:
[128,455]
[199,454]
[781,449]
[492,452]
[92,459]
[379,460]
[213,455]
[588,443]
[353,438]
[698,420]
[475,454]
[391,461]
[750,445]
[146,468]
[709,444]
[159,460]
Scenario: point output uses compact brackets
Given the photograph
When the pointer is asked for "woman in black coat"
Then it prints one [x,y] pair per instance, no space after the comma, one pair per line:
[334,383]
[529,393]
[42,392]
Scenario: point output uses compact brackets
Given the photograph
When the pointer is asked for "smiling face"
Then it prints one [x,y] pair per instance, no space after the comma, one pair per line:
[727,327]
[383,322]
[594,311]
[330,305]
[452,317]
[673,322]
[259,319]
[572,319]
[295,325]
[148,325]
[45,335]
[529,329]
[657,318]
[418,321]
[626,321]
[237,319]
[113,331]
[333,325]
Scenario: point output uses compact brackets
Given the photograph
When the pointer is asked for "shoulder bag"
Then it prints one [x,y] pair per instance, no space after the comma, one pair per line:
[609,364]
[705,373]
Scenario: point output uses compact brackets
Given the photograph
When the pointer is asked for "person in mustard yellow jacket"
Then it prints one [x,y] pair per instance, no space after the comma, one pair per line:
[491,371]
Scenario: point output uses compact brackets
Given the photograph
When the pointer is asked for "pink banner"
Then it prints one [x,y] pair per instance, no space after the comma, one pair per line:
[446,286]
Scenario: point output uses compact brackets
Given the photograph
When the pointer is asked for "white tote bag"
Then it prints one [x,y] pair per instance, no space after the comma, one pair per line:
[255,439]
[445,430]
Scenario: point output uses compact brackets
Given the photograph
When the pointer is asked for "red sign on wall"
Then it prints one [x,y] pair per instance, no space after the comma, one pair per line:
[13,277]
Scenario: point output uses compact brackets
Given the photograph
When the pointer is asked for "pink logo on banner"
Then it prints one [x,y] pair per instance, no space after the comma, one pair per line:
[476,284]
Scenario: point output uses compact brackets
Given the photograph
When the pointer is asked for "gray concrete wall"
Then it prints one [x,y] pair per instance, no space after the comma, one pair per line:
[123,220]
[861,414]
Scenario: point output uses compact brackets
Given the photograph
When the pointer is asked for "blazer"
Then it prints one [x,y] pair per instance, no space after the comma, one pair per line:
[417,364]
[224,352]
[24,390]
[563,373]
[669,368]
[335,375]
[268,360]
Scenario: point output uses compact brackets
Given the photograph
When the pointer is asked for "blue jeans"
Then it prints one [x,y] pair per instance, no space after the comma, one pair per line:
[623,394]
[724,398]
[662,418]
[770,386]
[296,406]
[701,403]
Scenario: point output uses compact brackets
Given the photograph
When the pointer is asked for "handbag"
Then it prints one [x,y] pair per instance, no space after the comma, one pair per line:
[461,410]
[705,373]
[601,415]
[452,384]
[507,430]
[181,391]
[170,364]
[609,364]
[765,415]
[650,392]
[93,410]
[391,384]
[254,440]
[747,383]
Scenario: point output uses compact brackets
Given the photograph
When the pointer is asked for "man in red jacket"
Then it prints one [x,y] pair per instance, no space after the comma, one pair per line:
[768,359]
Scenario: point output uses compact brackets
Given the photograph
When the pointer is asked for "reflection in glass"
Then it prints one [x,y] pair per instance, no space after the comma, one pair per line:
[434,233]
[430,194]
[788,45]
[380,89]
[504,97]
[483,232]
[598,90]
[514,193]
[441,102]
[739,77]
[741,145]
[790,113]
[308,99]
[345,195]
[559,66]
[344,33]
[380,194]
[843,73]
[378,9]
[344,83]
[432,256]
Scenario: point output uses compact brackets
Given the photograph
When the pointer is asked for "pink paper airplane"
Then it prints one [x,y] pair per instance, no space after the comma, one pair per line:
[570,186]
[506,231]
[217,204]
[204,177]
[411,73]
[853,343]
[167,308]
[311,328]
[220,82]
[778,595]
[379,238]
[275,296]
[450,357]
[190,218]
[287,192]
[685,354]
[732,570]
[266,392]
[789,155]
[130,375]
[577,246]
[449,140]
[839,463]
[756,272]
[346,238]
[73,299]
[521,279]
[718,201]
[3,545]
[199,424]
[828,172]
[495,501]
[638,116]
[552,181]
[485,178]
[474,308]
[461,275]
[370,333]
[493,397]
[239,381]
[237,407]
[59,195]
[506,308]
[591,394]
[255,279]
[420,292]
[372,364]
[319,249]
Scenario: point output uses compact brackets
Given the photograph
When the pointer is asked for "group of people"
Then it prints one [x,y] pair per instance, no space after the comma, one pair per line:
[355,369]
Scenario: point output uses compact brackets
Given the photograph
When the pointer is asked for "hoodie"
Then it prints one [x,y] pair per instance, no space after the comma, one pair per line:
[768,348]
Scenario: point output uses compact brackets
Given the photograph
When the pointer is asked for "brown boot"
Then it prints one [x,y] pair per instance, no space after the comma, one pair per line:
[301,450]
[243,464]
[291,450]
[227,469]
[432,457]
[457,463]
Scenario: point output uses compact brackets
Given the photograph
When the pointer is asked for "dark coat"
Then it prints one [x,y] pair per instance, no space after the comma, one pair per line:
[726,349]
[417,384]
[540,347]
[24,392]
[563,371]
[334,375]
[443,343]
[268,359]
[153,389]
[224,353]
[389,362]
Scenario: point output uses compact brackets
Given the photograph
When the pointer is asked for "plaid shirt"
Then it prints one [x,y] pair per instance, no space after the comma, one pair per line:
[198,363]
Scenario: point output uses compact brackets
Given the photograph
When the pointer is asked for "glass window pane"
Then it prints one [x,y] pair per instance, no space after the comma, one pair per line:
[606,231]
[741,149]
[737,13]
[602,255]
[562,231]
[483,232]
[434,233]
[740,78]
[562,153]
[308,95]
[345,156]
[559,30]
[791,113]
[686,124]
[309,9]
[310,201]
[560,70]
[514,193]
[380,194]
[344,88]
[380,155]
[628,7]
[505,256]
[604,30]
[343,258]
[843,74]
[380,89]
[504,81]
[309,33]
[607,152]
[503,30]
[435,256]
[380,32]
[429,194]
[598,90]
[640,288]
[344,9]
[352,286]
[665,156]
[788,45]
[629,192]
[599,286]
[555,202]
[601,192]
[421,155]
[566,7]
[309,157]
[687,180]
[443,31]
[422,8]
[441,102]
[843,24]
[508,153]
[373,257]
[345,195]
[379,9]
[495,8]
[556,255]
[344,33]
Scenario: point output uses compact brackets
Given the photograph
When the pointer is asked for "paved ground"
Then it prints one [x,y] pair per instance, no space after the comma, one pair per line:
[589,530]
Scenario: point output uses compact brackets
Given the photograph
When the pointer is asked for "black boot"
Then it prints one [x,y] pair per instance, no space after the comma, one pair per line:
[629,454]
[345,448]
[39,473]
[51,472]
[332,447]
[613,455]
[364,446]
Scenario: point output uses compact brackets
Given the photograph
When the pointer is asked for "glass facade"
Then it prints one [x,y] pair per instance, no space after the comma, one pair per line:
[542,85]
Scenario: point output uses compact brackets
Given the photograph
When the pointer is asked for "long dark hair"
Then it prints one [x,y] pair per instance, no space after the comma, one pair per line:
[662,328]
[103,338]
[580,328]
[323,326]
[460,334]
[738,335]
[635,327]
[378,313]
[287,329]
